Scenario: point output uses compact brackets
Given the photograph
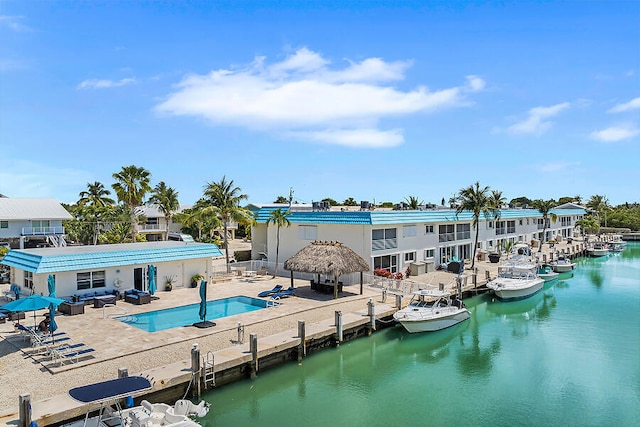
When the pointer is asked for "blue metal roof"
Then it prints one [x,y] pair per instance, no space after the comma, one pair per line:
[401,217]
[74,258]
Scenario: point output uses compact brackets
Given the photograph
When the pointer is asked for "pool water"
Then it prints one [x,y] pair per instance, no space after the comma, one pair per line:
[186,315]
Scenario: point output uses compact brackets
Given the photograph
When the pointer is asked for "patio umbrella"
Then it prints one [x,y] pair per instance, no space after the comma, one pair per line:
[51,283]
[53,326]
[203,307]
[32,303]
[152,279]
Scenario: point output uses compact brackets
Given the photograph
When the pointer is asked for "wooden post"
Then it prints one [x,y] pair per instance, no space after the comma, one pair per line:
[253,348]
[544,258]
[372,315]
[291,278]
[384,295]
[399,301]
[25,410]
[487,275]
[335,286]
[361,281]
[339,325]
[195,369]
[123,372]
[302,347]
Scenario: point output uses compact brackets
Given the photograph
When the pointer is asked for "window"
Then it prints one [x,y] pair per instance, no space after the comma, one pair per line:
[490,224]
[511,226]
[307,232]
[4,224]
[28,280]
[447,233]
[409,256]
[429,253]
[500,227]
[92,279]
[409,231]
[387,262]
[428,229]
[520,222]
[383,238]
[463,231]
[40,226]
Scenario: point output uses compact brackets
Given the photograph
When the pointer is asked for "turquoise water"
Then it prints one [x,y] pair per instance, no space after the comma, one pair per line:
[186,315]
[568,356]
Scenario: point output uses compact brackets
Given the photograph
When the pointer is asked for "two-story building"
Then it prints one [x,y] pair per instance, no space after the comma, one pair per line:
[394,239]
[30,223]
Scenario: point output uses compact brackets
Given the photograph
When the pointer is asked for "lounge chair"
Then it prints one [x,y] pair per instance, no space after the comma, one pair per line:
[70,353]
[285,293]
[275,290]
[134,296]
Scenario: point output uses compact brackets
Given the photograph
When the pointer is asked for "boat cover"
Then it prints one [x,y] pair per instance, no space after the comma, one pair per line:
[110,390]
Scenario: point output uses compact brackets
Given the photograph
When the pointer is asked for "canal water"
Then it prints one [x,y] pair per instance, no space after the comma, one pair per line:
[568,356]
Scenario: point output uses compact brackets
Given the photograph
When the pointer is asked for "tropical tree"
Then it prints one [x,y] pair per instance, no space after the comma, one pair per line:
[279,218]
[96,195]
[413,202]
[281,200]
[599,204]
[589,224]
[330,200]
[544,207]
[225,198]
[577,199]
[475,199]
[132,184]
[166,198]
[496,200]
[350,202]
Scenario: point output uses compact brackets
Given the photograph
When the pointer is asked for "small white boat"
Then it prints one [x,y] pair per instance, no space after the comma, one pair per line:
[562,265]
[598,249]
[517,279]
[431,310]
[101,396]
[546,273]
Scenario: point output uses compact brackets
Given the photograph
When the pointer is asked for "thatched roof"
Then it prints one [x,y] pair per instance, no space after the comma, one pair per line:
[327,258]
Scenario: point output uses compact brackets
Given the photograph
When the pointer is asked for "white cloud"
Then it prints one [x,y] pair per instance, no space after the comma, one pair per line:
[615,133]
[103,84]
[634,104]
[537,121]
[302,96]
[13,23]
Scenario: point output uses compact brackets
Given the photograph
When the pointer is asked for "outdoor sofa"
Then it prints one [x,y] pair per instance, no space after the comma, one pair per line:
[88,298]
[137,297]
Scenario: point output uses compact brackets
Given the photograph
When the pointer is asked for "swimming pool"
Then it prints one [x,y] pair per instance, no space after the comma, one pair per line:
[186,315]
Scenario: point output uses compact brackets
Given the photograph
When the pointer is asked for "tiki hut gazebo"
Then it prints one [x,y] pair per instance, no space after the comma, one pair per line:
[331,259]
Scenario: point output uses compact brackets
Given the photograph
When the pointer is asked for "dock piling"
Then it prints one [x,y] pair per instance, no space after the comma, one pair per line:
[339,325]
[399,301]
[253,348]
[240,333]
[302,347]
[25,410]
[123,372]
[371,314]
[195,369]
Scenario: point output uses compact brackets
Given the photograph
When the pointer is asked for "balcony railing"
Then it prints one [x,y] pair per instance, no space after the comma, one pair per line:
[42,231]
[463,235]
[381,244]
[142,228]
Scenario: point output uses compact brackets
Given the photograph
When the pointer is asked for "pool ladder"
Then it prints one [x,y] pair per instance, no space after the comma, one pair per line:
[208,374]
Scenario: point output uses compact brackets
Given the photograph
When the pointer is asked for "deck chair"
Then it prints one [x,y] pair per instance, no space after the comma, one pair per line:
[70,354]
[276,289]
[284,294]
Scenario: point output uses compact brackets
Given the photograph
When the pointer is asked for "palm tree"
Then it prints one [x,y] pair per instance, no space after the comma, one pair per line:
[413,202]
[225,198]
[599,204]
[132,184]
[496,200]
[544,207]
[476,200]
[94,204]
[167,200]
[96,195]
[577,199]
[279,218]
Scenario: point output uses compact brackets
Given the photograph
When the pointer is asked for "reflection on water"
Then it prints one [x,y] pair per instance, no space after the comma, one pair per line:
[472,360]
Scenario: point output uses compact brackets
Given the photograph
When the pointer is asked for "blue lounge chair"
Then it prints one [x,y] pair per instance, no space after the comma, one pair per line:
[285,293]
[275,290]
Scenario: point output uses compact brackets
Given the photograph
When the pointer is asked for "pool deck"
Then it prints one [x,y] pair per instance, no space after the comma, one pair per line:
[165,356]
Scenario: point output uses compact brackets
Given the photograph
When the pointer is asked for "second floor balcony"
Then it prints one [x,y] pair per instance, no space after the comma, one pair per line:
[150,228]
[42,231]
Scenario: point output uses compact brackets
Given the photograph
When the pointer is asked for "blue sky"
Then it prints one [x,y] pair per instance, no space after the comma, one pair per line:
[372,100]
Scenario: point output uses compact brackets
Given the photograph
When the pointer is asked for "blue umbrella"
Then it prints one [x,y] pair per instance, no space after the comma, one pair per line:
[152,279]
[32,303]
[51,282]
[203,301]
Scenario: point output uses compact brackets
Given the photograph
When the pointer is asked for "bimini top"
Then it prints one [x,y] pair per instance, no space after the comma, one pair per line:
[110,390]
[72,258]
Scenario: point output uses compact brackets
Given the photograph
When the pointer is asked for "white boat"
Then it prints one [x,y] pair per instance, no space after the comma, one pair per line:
[517,279]
[546,273]
[562,265]
[431,310]
[598,249]
[105,398]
